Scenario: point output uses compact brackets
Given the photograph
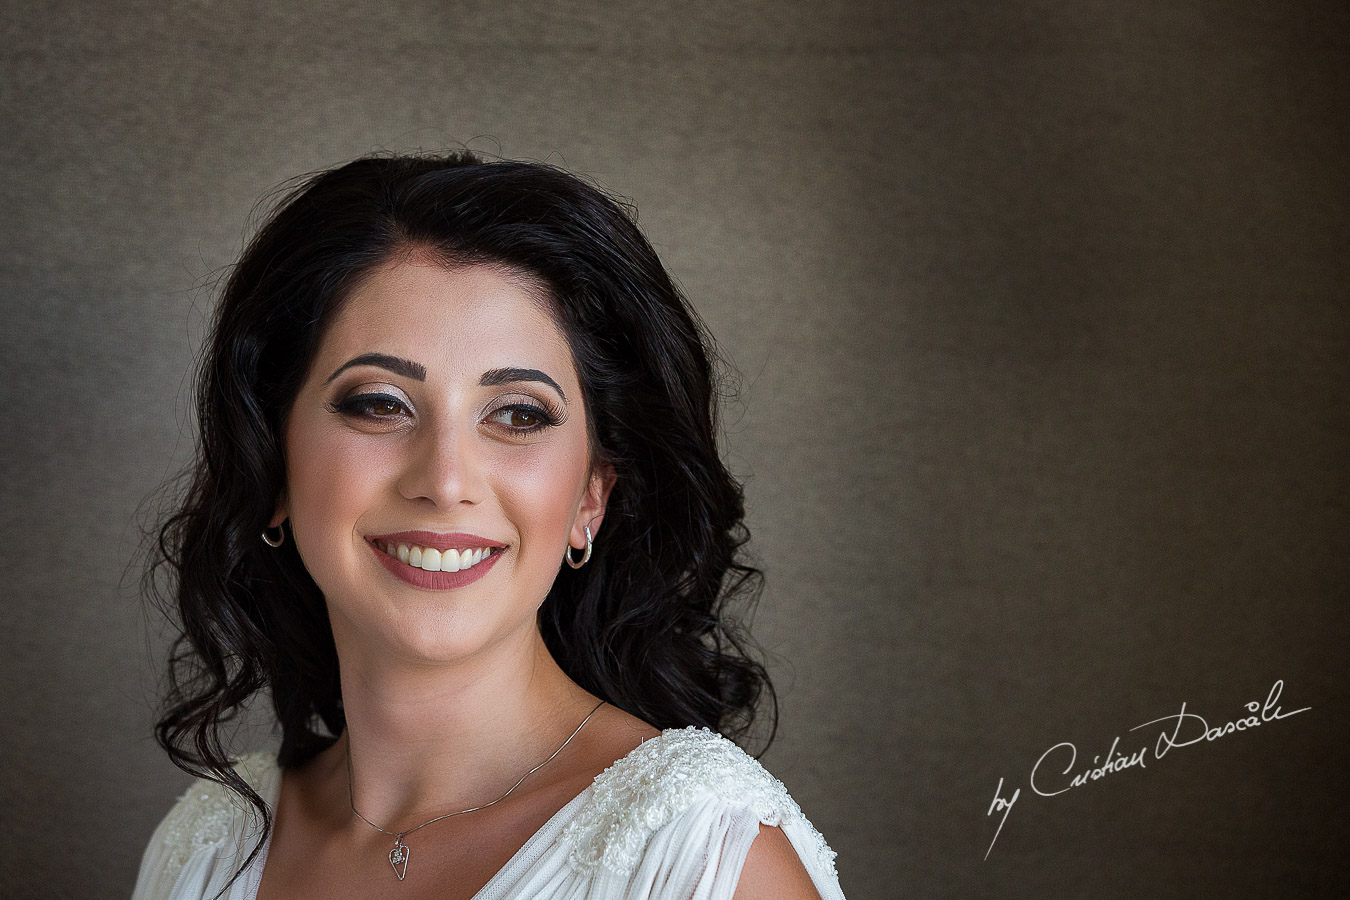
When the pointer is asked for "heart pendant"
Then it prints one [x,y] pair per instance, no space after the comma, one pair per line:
[398,857]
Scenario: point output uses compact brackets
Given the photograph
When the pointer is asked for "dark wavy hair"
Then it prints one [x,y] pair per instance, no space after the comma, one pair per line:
[645,625]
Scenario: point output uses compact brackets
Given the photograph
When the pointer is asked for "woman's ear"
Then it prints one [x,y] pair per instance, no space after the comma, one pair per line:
[592,509]
[282,514]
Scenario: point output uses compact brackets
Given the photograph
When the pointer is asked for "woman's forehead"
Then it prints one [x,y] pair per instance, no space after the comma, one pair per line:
[469,318]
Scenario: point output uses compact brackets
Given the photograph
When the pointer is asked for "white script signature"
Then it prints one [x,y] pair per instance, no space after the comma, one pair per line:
[1188,728]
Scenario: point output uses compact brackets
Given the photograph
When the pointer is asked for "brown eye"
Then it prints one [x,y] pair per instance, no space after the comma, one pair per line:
[523,418]
[371,406]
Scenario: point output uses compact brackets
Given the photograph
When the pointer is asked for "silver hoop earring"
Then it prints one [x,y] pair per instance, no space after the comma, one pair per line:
[567,554]
[280,538]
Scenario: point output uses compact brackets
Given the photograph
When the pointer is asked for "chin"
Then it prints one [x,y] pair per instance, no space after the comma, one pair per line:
[440,640]
[428,628]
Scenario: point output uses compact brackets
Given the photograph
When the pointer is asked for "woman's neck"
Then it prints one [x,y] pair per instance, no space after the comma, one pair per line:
[424,741]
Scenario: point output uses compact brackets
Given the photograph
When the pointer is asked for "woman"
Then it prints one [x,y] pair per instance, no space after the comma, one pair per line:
[430,382]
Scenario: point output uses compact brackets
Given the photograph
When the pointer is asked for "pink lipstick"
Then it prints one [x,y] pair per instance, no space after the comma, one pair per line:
[386,550]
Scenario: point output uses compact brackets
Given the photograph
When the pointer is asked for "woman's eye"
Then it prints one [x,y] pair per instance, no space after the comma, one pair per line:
[522,418]
[371,406]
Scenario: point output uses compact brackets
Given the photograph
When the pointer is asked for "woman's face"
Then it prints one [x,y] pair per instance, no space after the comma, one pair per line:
[440,425]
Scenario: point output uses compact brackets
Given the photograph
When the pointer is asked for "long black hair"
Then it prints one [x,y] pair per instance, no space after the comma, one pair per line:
[644,625]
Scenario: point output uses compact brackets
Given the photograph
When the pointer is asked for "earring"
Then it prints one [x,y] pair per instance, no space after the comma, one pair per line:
[278,541]
[567,554]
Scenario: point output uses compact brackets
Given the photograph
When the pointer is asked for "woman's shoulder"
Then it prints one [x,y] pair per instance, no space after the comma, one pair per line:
[690,778]
[208,817]
[668,771]
[207,811]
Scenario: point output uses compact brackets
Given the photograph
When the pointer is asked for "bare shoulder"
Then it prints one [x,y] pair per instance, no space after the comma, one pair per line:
[609,735]
[773,871]
[614,733]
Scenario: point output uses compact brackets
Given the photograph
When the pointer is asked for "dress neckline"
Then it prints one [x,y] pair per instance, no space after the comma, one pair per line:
[272,774]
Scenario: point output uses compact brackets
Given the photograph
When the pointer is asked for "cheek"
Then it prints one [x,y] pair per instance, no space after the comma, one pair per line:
[329,481]
[540,492]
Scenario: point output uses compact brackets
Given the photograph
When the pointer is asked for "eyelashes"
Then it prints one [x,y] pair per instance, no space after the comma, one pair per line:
[369,406]
[382,409]
[536,418]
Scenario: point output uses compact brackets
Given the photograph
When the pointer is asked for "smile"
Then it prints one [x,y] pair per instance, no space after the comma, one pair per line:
[429,559]
[436,561]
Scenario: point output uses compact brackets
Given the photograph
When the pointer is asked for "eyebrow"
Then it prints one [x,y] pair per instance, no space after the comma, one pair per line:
[418,372]
[396,364]
[495,377]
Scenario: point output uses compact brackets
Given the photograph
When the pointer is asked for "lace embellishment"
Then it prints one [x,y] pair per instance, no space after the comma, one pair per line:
[205,814]
[654,784]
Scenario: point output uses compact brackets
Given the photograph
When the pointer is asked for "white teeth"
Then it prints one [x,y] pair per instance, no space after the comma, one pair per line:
[430,559]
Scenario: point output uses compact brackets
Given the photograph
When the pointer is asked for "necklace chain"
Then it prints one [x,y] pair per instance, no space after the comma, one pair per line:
[398,857]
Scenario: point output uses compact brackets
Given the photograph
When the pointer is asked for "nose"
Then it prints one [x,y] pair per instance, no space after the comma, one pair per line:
[443,467]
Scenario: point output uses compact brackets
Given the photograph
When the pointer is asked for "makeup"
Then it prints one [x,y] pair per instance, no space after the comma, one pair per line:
[465,557]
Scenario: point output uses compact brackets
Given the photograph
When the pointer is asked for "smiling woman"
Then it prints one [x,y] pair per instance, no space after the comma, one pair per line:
[453,421]
[432,381]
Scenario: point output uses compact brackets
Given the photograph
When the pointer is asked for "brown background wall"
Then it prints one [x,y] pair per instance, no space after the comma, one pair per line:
[1041,311]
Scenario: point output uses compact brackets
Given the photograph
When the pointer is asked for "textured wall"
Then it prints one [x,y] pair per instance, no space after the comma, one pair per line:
[1041,313]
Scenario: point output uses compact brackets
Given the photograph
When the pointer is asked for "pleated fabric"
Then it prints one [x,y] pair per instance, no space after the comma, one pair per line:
[672,820]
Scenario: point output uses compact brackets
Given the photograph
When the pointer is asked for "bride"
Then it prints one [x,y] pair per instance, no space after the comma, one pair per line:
[458,509]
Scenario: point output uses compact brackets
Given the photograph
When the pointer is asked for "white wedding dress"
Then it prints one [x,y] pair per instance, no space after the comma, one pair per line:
[673,819]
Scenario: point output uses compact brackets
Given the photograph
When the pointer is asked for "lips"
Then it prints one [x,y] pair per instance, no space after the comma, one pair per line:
[436,560]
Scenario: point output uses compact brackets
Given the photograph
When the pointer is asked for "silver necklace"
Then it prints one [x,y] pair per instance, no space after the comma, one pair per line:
[398,857]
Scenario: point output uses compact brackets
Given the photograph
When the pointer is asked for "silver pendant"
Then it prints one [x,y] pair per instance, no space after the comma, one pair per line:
[398,857]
